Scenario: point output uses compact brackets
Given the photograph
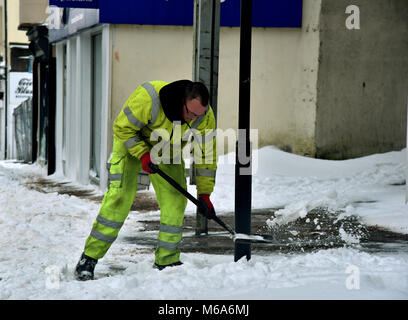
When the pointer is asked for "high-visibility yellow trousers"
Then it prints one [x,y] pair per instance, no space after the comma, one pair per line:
[117,201]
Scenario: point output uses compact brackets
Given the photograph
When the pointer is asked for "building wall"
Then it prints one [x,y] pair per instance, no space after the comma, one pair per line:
[13,11]
[74,103]
[321,90]
[32,12]
[283,82]
[363,83]
[2,88]
[146,53]
[2,29]
[284,74]
[13,36]
[283,88]
[13,20]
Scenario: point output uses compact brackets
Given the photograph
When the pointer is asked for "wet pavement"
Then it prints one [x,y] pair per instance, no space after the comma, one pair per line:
[320,229]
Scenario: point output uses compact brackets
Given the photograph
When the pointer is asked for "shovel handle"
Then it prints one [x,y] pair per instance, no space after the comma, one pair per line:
[224,225]
[154,168]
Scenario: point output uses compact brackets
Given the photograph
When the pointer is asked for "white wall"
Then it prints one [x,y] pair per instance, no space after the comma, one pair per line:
[74,160]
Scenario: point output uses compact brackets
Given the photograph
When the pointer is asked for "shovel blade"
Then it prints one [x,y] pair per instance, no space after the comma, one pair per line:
[253,238]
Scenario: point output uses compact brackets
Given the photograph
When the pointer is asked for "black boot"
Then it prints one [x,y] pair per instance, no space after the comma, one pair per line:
[85,268]
[161,267]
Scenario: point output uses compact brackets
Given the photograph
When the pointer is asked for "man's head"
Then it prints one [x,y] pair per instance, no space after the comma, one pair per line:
[195,101]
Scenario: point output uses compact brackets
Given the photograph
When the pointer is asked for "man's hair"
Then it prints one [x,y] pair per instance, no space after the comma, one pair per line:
[197,90]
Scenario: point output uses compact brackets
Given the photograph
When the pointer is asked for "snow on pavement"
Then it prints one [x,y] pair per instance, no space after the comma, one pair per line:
[42,237]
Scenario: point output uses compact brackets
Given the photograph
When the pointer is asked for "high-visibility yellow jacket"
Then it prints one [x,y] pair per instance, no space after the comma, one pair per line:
[150,122]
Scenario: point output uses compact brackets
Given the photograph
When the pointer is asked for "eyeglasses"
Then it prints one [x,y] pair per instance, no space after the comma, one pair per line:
[191,114]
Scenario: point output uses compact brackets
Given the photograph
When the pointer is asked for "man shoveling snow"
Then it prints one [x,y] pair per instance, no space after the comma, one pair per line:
[163,108]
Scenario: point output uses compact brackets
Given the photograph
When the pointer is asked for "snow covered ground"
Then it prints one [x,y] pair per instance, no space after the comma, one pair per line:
[42,236]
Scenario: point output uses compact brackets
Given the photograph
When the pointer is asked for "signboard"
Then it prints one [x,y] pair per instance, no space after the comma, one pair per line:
[75,3]
[76,18]
[21,87]
[153,12]
[266,13]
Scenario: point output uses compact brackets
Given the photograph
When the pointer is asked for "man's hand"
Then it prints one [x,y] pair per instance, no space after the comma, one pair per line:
[208,209]
[147,164]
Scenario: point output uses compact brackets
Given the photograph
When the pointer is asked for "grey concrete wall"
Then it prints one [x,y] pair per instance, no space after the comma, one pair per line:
[363,79]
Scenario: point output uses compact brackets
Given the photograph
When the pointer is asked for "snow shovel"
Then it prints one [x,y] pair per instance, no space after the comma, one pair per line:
[202,207]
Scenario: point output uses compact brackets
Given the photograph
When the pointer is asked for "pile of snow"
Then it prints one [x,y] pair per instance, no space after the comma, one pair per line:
[43,234]
[365,187]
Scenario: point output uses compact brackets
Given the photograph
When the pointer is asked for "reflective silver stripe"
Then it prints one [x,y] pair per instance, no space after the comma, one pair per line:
[100,236]
[205,173]
[168,245]
[170,229]
[132,119]
[132,142]
[115,177]
[155,101]
[109,223]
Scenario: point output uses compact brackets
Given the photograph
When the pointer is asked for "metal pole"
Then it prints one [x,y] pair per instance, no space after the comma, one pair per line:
[6,93]
[243,176]
[205,69]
